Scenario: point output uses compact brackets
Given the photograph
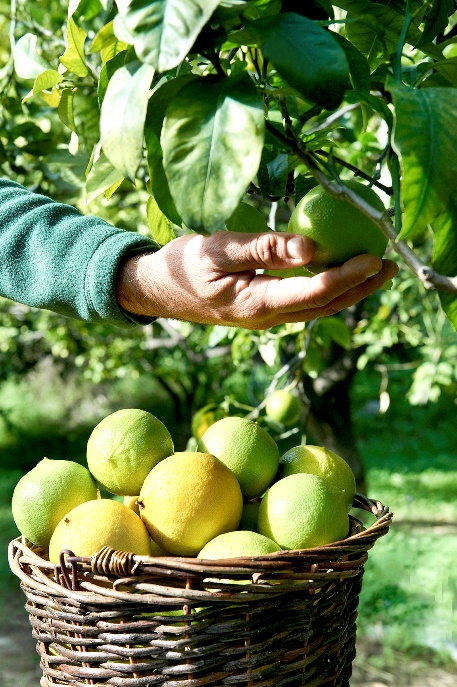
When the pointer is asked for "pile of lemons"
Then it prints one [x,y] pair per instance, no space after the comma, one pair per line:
[234,496]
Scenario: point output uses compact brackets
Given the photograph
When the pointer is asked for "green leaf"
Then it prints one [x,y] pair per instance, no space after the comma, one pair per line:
[157,106]
[306,56]
[374,28]
[107,72]
[436,20]
[73,58]
[159,224]
[212,141]
[123,114]
[424,138]
[247,219]
[273,173]
[107,43]
[85,9]
[28,63]
[337,330]
[358,64]
[65,109]
[46,80]
[163,31]
[445,254]
[86,118]
[102,177]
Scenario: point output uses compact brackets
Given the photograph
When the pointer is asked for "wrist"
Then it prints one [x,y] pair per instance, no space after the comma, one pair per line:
[135,285]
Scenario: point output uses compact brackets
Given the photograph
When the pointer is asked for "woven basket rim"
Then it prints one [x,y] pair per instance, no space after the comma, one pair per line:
[361,540]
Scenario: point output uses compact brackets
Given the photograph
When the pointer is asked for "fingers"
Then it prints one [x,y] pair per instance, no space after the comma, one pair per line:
[346,300]
[297,293]
[235,252]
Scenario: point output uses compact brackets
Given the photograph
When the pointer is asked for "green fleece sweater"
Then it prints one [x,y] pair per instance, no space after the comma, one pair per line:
[53,257]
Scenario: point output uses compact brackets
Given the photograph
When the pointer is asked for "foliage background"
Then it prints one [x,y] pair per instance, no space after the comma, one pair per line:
[59,377]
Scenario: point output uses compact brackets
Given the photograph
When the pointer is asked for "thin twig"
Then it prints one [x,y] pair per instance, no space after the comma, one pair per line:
[357,172]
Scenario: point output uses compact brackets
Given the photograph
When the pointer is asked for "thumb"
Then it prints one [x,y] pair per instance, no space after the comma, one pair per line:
[238,252]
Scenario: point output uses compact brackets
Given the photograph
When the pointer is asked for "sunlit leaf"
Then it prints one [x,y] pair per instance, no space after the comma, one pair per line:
[248,219]
[160,226]
[28,63]
[123,114]
[163,31]
[445,254]
[73,58]
[212,141]
[102,176]
[424,137]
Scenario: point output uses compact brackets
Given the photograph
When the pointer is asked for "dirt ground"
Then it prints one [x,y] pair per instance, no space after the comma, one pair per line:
[19,662]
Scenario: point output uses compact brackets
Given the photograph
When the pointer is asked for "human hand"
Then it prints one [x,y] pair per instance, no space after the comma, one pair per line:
[213,280]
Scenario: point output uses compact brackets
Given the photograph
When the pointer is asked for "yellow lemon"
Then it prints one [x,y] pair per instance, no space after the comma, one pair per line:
[124,447]
[132,503]
[247,449]
[339,230]
[188,499]
[92,525]
[284,407]
[46,493]
[319,461]
[237,544]
[302,511]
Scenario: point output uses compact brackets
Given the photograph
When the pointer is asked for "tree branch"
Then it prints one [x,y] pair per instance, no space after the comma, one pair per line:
[430,278]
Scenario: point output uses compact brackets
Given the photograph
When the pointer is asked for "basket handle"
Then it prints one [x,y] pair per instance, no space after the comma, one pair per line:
[370,505]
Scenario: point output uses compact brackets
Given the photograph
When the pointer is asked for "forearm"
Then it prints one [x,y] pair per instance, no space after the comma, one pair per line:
[53,257]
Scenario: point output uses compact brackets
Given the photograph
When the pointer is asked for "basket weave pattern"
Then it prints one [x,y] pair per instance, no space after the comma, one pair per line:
[285,619]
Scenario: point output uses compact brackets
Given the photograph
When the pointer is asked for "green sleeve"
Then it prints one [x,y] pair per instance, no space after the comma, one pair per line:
[53,257]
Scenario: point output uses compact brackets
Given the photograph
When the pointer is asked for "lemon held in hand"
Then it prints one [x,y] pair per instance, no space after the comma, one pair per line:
[48,491]
[247,449]
[92,525]
[188,499]
[302,511]
[317,460]
[339,230]
[124,447]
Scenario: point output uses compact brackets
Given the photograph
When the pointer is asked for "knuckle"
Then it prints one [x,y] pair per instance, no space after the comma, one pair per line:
[265,249]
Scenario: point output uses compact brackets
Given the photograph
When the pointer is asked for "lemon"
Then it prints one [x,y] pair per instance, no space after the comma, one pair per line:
[247,449]
[188,499]
[204,418]
[249,516]
[339,230]
[301,511]
[238,544]
[319,461]
[284,407]
[45,493]
[92,525]
[132,503]
[124,447]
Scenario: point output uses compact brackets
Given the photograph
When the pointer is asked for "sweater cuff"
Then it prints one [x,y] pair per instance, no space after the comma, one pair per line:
[101,276]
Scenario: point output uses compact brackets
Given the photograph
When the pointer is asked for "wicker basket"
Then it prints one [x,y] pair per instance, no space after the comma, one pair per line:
[287,618]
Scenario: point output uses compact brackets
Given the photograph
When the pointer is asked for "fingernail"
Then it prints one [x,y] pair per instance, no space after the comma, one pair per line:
[372,273]
[295,247]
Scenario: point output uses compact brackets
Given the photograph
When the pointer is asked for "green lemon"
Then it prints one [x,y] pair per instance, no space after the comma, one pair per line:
[124,447]
[339,230]
[284,407]
[301,511]
[46,493]
[317,460]
[238,544]
[249,516]
[247,449]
